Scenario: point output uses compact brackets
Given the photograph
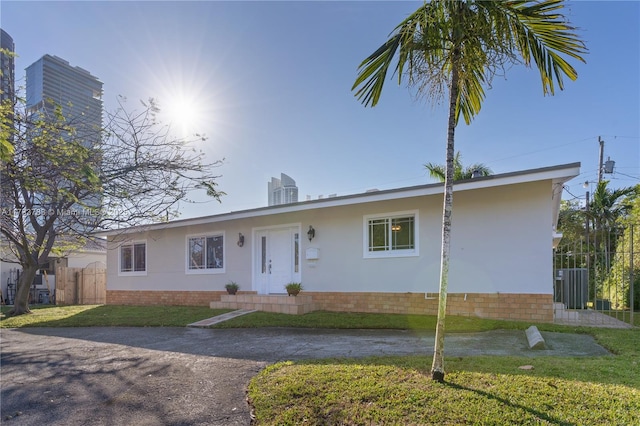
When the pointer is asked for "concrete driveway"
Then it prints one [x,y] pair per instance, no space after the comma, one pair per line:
[191,376]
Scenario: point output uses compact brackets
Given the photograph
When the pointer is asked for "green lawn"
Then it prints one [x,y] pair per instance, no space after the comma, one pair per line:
[320,319]
[108,316]
[386,393]
[481,390]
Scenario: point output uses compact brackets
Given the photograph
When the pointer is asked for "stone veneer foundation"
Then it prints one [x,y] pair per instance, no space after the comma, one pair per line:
[521,307]
[166,298]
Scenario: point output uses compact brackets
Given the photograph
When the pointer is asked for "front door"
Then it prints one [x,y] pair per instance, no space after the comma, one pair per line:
[277,259]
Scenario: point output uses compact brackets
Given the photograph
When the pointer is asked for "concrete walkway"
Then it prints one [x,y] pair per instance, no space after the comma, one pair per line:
[275,344]
[220,318]
[588,318]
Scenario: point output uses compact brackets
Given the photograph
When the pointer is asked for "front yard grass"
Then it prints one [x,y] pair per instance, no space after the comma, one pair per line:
[479,390]
[482,390]
[108,316]
[382,393]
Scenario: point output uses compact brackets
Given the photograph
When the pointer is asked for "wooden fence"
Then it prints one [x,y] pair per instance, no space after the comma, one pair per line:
[81,286]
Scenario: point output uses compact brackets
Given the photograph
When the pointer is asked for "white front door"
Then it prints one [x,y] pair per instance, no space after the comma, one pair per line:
[277,259]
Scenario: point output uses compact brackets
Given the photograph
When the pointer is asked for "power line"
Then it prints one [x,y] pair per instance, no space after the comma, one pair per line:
[575,197]
[624,174]
[538,150]
[560,146]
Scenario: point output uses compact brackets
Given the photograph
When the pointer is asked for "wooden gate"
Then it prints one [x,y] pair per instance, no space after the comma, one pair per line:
[81,286]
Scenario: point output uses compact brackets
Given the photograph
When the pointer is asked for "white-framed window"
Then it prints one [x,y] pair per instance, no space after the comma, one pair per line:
[133,258]
[391,234]
[205,254]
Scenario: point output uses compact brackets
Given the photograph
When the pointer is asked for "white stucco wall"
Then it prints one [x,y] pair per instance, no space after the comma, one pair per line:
[166,260]
[82,259]
[501,242]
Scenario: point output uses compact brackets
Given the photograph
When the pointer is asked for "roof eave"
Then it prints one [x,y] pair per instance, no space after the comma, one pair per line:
[557,174]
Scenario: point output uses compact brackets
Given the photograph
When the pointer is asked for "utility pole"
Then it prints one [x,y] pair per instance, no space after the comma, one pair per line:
[586,223]
[600,159]
[586,240]
[604,166]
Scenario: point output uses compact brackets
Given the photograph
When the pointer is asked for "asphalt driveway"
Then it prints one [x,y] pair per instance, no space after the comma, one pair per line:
[190,376]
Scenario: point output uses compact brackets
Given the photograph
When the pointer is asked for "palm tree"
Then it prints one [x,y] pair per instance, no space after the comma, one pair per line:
[457,46]
[604,210]
[438,171]
[607,205]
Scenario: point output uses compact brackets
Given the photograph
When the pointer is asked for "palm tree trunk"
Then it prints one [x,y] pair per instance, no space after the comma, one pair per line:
[437,368]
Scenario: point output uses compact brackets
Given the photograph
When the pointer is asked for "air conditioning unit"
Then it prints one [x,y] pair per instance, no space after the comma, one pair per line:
[572,287]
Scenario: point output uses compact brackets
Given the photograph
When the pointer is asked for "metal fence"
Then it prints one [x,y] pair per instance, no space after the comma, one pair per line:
[597,278]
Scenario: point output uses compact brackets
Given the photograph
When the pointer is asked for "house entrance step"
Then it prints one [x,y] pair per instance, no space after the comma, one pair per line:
[296,305]
[220,318]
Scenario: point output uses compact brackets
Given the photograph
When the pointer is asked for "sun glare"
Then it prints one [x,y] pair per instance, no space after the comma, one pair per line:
[184,114]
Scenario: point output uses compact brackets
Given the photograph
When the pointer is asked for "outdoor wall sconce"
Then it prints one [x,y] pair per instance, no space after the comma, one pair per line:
[311,233]
[240,239]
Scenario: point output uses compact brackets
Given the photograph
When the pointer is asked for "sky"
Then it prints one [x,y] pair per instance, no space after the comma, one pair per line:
[269,83]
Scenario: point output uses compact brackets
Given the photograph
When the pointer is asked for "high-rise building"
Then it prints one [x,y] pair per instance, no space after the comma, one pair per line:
[282,191]
[7,67]
[52,81]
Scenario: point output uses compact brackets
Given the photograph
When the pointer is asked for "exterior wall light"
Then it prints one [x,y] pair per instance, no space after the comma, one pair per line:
[240,239]
[311,233]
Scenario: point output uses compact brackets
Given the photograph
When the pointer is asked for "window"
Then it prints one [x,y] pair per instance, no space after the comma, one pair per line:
[391,235]
[205,254]
[133,258]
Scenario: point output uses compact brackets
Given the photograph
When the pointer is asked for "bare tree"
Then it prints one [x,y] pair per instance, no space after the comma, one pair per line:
[63,182]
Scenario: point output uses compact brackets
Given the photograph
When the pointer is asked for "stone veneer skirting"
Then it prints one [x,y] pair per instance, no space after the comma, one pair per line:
[507,306]
[521,307]
[165,298]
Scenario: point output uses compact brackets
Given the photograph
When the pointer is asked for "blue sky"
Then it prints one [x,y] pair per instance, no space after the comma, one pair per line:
[271,86]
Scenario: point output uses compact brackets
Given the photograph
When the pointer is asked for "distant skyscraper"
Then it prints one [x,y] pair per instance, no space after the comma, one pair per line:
[77,91]
[7,67]
[52,82]
[282,191]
